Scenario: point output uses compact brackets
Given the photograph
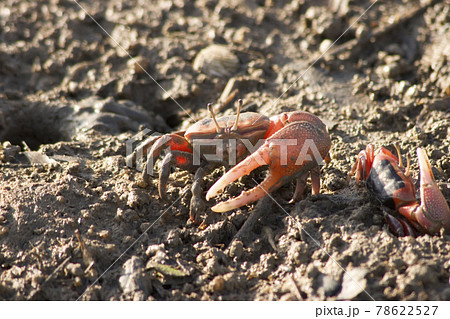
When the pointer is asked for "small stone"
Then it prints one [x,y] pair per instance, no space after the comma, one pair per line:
[3,230]
[60,199]
[133,279]
[217,284]
[91,230]
[119,214]
[77,282]
[85,213]
[127,239]
[241,35]
[105,234]
[74,269]
[325,45]
[173,238]
[410,256]
[353,283]
[153,249]
[236,249]
[411,91]
[330,285]
[196,90]
[216,61]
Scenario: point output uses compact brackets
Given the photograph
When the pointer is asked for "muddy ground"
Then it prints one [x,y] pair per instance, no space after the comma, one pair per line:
[71,96]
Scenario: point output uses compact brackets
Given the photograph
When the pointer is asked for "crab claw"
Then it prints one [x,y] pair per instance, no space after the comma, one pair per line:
[290,153]
[433,213]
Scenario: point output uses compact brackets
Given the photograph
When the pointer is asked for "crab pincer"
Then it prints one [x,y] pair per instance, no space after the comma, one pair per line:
[292,152]
[433,213]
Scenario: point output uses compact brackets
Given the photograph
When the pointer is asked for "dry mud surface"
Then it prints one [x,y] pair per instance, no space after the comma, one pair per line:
[74,96]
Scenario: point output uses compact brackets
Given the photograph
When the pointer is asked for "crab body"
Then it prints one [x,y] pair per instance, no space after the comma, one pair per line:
[250,126]
[388,183]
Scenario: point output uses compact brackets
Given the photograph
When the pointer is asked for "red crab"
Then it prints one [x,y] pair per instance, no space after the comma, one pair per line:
[390,182]
[235,136]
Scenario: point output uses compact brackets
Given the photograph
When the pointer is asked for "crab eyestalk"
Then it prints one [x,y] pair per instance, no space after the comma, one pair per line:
[433,213]
[213,116]
[235,126]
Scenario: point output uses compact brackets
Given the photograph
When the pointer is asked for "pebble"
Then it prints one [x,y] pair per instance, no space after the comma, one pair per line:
[153,249]
[77,282]
[410,256]
[236,249]
[132,279]
[217,284]
[241,35]
[105,234]
[216,61]
[362,32]
[353,283]
[74,269]
[330,285]
[60,199]
[173,238]
[3,230]
[325,45]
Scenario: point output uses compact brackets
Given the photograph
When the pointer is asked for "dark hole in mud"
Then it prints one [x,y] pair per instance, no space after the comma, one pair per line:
[35,125]
[173,120]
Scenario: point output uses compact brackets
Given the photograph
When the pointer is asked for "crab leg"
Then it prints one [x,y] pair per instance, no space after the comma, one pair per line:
[182,160]
[197,206]
[434,212]
[300,187]
[174,141]
[363,164]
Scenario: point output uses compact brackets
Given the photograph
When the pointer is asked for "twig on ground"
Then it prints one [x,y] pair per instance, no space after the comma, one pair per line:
[57,269]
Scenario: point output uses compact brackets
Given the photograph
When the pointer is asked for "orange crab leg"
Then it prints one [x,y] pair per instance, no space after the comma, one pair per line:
[174,141]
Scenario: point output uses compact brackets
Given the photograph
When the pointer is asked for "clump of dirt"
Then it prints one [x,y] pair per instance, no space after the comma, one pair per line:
[77,94]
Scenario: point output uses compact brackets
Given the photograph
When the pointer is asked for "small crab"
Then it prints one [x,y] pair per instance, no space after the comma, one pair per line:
[391,184]
[294,145]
